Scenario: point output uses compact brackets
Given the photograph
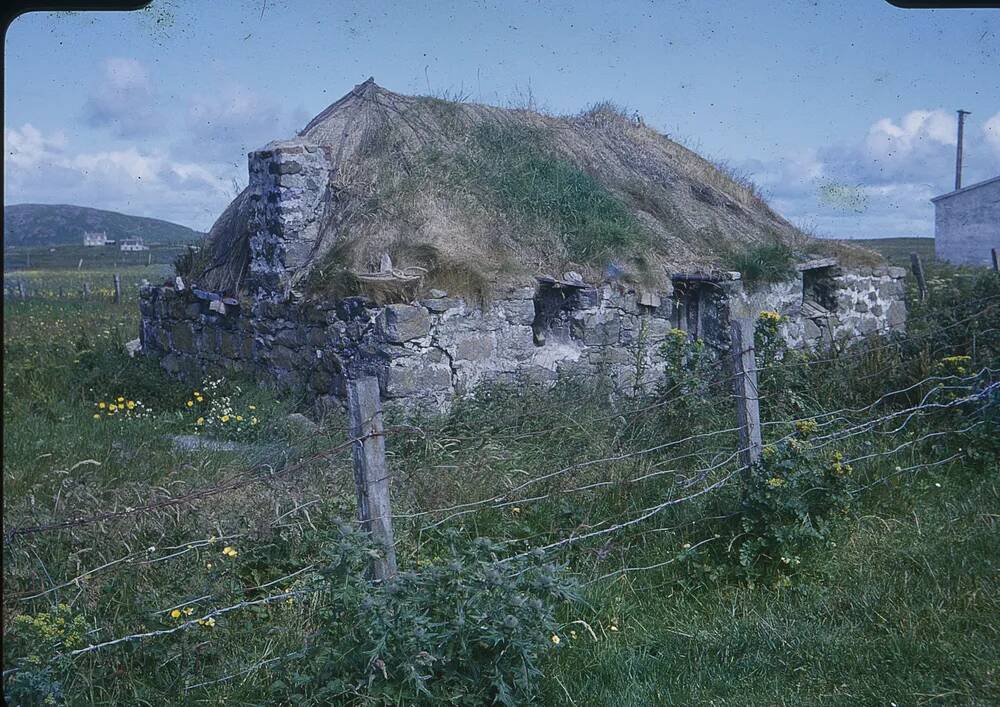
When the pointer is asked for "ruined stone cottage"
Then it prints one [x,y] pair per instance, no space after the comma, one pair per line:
[439,244]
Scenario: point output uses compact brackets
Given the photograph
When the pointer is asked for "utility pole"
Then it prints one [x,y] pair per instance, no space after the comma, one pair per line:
[958,154]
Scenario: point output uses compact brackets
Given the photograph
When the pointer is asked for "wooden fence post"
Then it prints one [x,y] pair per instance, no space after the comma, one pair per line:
[61,293]
[86,290]
[20,289]
[149,259]
[371,476]
[996,260]
[118,289]
[918,272]
[745,383]
[80,264]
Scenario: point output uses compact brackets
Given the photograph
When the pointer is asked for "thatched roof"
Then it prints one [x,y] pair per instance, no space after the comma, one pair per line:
[481,195]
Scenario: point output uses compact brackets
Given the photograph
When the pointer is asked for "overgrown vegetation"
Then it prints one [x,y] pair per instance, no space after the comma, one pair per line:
[512,166]
[854,565]
[761,263]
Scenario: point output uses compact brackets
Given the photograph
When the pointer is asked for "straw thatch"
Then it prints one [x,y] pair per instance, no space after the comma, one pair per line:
[480,195]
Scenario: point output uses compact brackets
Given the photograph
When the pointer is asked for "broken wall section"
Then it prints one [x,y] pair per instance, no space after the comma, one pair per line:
[425,353]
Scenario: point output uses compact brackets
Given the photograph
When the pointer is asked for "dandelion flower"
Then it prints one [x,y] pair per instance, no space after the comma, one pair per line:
[112,407]
[120,399]
[555,639]
[97,416]
[190,403]
[200,421]
[224,418]
[239,418]
[175,614]
[515,509]
[230,551]
[188,611]
[252,407]
[102,405]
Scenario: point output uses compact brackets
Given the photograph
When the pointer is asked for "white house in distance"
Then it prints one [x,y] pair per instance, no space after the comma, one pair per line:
[96,238]
[133,245]
[967,223]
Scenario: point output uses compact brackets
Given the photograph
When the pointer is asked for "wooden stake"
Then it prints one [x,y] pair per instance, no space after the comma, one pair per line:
[118,289]
[86,290]
[371,476]
[996,260]
[80,264]
[20,289]
[745,382]
[918,272]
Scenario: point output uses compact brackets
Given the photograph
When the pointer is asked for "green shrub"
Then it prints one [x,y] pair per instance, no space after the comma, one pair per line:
[462,629]
[789,499]
[40,641]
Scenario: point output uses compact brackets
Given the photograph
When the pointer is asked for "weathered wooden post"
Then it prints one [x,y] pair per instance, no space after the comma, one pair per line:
[149,259]
[86,290]
[747,395]
[61,293]
[918,272]
[996,259]
[80,264]
[118,288]
[371,477]
[21,290]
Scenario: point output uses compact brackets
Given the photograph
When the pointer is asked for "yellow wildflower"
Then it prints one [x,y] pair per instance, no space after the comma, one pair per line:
[190,403]
[224,418]
[239,418]
[200,421]
[515,509]
[188,611]
[175,614]
[121,399]
[112,407]
[555,639]
[102,405]
[252,407]
[230,551]
[97,416]
[253,420]
[775,482]
[130,404]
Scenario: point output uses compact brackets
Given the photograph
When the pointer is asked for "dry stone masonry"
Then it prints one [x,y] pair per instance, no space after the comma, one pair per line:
[427,352]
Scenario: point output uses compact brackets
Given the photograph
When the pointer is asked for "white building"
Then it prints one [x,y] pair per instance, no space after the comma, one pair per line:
[133,244]
[967,223]
[95,238]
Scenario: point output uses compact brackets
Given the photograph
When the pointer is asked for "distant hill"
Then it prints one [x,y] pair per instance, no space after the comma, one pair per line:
[63,224]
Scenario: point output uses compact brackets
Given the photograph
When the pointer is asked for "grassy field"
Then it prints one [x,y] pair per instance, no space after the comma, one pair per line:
[889,598]
[897,250]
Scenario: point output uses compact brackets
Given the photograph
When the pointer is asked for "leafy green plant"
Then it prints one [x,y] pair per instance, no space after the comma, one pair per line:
[789,499]
[40,642]
[463,628]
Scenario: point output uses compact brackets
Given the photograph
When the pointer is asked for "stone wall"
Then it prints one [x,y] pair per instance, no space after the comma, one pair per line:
[427,352]
[865,301]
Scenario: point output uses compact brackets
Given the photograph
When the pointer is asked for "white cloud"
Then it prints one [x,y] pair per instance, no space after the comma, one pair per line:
[918,130]
[881,183]
[123,100]
[40,168]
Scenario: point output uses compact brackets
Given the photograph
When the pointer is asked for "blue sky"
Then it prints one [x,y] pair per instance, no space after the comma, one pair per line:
[843,112]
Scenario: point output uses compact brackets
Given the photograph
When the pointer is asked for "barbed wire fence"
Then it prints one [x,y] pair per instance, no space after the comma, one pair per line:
[372,475]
